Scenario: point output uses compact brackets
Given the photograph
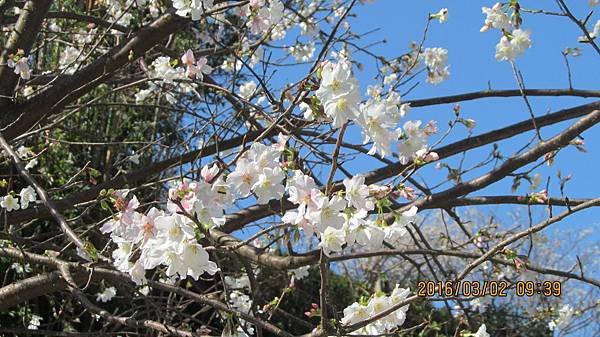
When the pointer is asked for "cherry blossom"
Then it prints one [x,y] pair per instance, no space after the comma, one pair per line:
[244,177]
[21,67]
[495,18]
[34,322]
[357,193]
[195,8]
[509,49]
[195,68]
[441,16]
[414,138]
[436,60]
[247,89]
[338,92]
[268,186]
[332,240]
[27,195]
[106,295]
[10,203]
[482,331]
[328,212]
[358,312]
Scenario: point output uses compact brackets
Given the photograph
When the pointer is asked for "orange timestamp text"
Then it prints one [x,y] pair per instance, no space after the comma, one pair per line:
[488,288]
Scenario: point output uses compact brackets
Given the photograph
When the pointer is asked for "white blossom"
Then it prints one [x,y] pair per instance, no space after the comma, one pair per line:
[328,213]
[482,331]
[193,8]
[302,52]
[332,240]
[509,49]
[495,18]
[106,295]
[247,89]
[442,15]
[68,59]
[268,185]
[436,60]
[357,193]
[338,92]
[34,322]
[27,195]
[10,203]
[21,67]
[300,273]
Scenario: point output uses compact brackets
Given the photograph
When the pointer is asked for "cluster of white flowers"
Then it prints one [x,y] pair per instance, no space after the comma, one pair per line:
[259,171]
[167,238]
[565,315]
[164,68]
[193,8]
[339,92]
[21,268]
[68,59]
[495,18]
[378,117]
[240,301]
[509,48]
[10,202]
[25,153]
[378,120]
[34,322]
[359,312]
[106,295]
[247,89]
[262,16]
[20,63]
[436,60]
[413,145]
[482,331]
[342,221]
[121,11]
[513,42]
[302,52]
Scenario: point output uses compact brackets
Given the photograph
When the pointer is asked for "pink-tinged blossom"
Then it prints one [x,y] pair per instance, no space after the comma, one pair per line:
[195,68]
[21,67]
[357,193]
[495,18]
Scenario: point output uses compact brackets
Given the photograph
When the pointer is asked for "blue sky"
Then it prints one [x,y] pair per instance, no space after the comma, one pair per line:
[473,67]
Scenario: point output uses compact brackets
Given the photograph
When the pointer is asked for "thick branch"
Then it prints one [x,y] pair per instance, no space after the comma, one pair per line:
[23,36]
[502,93]
[66,89]
[253,213]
